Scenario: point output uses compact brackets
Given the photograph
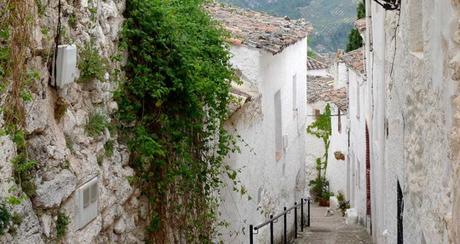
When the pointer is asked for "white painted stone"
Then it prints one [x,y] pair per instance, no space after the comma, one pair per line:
[282,181]
[46,222]
[413,101]
[38,115]
[120,226]
[51,193]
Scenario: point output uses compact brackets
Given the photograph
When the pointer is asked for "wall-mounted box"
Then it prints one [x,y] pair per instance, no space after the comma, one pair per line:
[86,203]
[66,65]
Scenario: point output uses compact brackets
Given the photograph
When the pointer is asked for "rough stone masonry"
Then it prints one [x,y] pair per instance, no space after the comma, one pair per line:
[66,156]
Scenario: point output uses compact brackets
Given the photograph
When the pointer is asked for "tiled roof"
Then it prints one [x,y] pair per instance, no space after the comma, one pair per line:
[361,25]
[241,94]
[259,30]
[354,60]
[313,64]
[322,89]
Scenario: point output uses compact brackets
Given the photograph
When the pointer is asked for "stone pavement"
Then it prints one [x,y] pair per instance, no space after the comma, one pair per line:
[332,230]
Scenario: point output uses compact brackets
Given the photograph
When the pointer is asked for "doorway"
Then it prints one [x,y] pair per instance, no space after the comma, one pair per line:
[400,215]
[368,174]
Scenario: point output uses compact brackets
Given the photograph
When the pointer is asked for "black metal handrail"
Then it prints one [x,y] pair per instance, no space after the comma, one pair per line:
[273,219]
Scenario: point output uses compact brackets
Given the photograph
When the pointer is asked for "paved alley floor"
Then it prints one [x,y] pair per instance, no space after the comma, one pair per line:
[332,230]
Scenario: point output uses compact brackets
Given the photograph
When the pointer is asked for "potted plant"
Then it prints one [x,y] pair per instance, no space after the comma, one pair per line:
[343,204]
[324,199]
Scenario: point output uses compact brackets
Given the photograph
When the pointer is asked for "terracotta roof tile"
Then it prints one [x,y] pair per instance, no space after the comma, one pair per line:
[259,30]
[322,89]
[313,64]
[354,60]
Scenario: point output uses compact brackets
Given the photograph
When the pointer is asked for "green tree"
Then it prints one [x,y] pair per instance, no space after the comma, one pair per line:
[172,109]
[355,40]
[322,129]
[361,10]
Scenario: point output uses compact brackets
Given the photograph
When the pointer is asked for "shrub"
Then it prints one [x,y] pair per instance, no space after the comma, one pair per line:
[61,225]
[92,65]
[343,205]
[172,109]
[108,147]
[72,20]
[5,218]
[97,122]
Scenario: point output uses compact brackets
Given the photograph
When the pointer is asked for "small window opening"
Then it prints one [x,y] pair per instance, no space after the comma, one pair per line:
[415,33]
[339,123]
[294,94]
[278,126]
[317,113]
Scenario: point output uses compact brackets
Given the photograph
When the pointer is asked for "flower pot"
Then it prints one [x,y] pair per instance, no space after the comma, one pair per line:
[324,203]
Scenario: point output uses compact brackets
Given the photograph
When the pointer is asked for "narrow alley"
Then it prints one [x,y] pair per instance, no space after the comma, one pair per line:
[230,121]
[332,230]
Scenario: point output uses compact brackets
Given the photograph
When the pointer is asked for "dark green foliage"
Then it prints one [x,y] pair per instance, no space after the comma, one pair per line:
[23,167]
[61,225]
[355,40]
[72,20]
[16,219]
[97,122]
[319,187]
[361,10]
[5,218]
[4,56]
[322,129]
[92,65]
[173,107]
[108,148]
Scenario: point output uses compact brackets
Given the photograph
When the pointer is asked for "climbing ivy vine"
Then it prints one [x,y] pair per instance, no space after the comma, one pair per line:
[322,129]
[171,110]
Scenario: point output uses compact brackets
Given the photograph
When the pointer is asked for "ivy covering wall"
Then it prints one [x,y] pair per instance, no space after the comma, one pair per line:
[171,110]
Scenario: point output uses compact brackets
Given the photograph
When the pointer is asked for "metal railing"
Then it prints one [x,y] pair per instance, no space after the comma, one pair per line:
[253,230]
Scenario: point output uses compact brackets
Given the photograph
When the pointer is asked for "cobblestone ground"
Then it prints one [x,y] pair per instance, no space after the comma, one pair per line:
[332,230]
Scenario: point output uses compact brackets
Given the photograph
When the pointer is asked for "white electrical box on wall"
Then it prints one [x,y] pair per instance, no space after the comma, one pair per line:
[66,65]
[86,203]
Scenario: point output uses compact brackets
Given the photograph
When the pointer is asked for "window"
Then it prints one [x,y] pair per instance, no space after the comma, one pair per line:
[400,214]
[416,27]
[317,113]
[358,98]
[339,122]
[278,126]
[294,95]
[86,203]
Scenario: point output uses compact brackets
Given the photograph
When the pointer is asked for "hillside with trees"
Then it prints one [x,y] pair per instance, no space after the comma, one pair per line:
[332,19]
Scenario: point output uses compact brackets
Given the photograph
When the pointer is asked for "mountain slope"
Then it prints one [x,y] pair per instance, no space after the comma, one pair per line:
[332,19]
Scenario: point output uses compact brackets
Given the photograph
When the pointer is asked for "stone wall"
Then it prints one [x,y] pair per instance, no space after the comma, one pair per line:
[454,222]
[66,156]
[414,128]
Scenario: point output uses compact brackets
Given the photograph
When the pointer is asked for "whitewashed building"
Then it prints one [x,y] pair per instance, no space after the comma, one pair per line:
[317,68]
[413,69]
[320,92]
[351,71]
[270,55]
